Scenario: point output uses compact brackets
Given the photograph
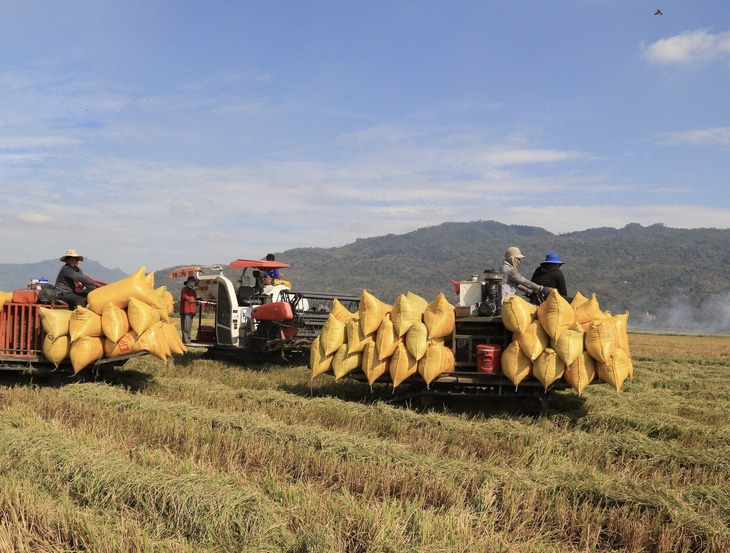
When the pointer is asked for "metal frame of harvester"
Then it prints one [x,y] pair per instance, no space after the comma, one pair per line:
[252,318]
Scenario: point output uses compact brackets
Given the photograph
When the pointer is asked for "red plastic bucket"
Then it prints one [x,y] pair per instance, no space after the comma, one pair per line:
[488,359]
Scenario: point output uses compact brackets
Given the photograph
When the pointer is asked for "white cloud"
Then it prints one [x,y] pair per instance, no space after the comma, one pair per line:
[522,157]
[35,218]
[689,47]
[717,136]
[36,142]
[569,218]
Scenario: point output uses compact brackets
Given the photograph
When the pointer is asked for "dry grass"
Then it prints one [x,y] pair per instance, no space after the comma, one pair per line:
[199,455]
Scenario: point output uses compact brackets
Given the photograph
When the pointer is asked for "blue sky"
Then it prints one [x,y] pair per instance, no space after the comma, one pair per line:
[160,133]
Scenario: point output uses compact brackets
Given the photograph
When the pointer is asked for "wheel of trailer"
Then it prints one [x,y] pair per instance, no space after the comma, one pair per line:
[535,404]
[427,400]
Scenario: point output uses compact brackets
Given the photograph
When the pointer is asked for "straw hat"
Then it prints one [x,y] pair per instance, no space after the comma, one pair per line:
[71,253]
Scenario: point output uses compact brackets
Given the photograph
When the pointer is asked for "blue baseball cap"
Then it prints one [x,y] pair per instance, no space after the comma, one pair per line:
[552,258]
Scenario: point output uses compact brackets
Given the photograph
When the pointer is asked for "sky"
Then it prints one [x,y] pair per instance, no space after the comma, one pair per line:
[163,133]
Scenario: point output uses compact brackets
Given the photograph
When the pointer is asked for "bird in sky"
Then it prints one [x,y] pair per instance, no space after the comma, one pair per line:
[658,12]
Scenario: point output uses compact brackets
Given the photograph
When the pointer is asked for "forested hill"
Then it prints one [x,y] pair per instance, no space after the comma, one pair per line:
[673,273]
[679,277]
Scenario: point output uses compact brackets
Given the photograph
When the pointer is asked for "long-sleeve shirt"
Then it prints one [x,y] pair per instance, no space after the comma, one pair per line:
[68,277]
[512,281]
[187,300]
[550,275]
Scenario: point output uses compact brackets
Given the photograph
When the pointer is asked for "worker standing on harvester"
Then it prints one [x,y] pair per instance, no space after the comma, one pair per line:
[512,280]
[188,308]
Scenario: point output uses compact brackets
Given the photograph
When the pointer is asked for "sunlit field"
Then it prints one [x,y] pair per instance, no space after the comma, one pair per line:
[194,454]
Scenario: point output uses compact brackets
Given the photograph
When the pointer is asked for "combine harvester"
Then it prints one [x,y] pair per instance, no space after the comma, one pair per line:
[251,317]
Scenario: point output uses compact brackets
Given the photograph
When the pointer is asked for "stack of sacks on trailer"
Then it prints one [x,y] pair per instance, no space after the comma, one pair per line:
[574,341]
[122,318]
[402,339]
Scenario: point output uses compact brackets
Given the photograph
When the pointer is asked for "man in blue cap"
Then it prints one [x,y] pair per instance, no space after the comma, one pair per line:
[549,274]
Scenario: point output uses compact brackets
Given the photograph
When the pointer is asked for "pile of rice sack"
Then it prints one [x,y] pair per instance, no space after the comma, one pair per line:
[121,318]
[402,339]
[575,341]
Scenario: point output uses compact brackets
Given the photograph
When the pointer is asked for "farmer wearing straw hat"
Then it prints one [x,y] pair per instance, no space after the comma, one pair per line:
[67,278]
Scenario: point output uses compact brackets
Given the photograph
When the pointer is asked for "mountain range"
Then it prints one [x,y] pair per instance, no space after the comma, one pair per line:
[18,275]
[665,277]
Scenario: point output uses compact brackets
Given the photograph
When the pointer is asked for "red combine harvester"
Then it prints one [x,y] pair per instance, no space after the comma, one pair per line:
[253,317]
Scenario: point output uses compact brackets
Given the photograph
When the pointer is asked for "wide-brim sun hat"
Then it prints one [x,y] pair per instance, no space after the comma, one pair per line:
[552,258]
[71,253]
[191,280]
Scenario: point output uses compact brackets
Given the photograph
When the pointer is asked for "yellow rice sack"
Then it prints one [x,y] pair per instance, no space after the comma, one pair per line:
[173,339]
[371,364]
[448,360]
[435,361]
[620,323]
[386,338]
[402,364]
[154,341]
[356,340]
[570,344]
[439,317]
[84,322]
[548,367]
[555,315]
[149,279]
[126,345]
[616,370]
[54,321]
[85,351]
[134,286]
[417,340]
[600,340]
[370,313]
[533,341]
[341,312]
[515,364]
[114,322]
[319,362]
[580,372]
[578,299]
[588,311]
[142,316]
[162,300]
[56,350]
[517,313]
[169,302]
[404,314]
[419,303]
[332,335]
[344,362]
